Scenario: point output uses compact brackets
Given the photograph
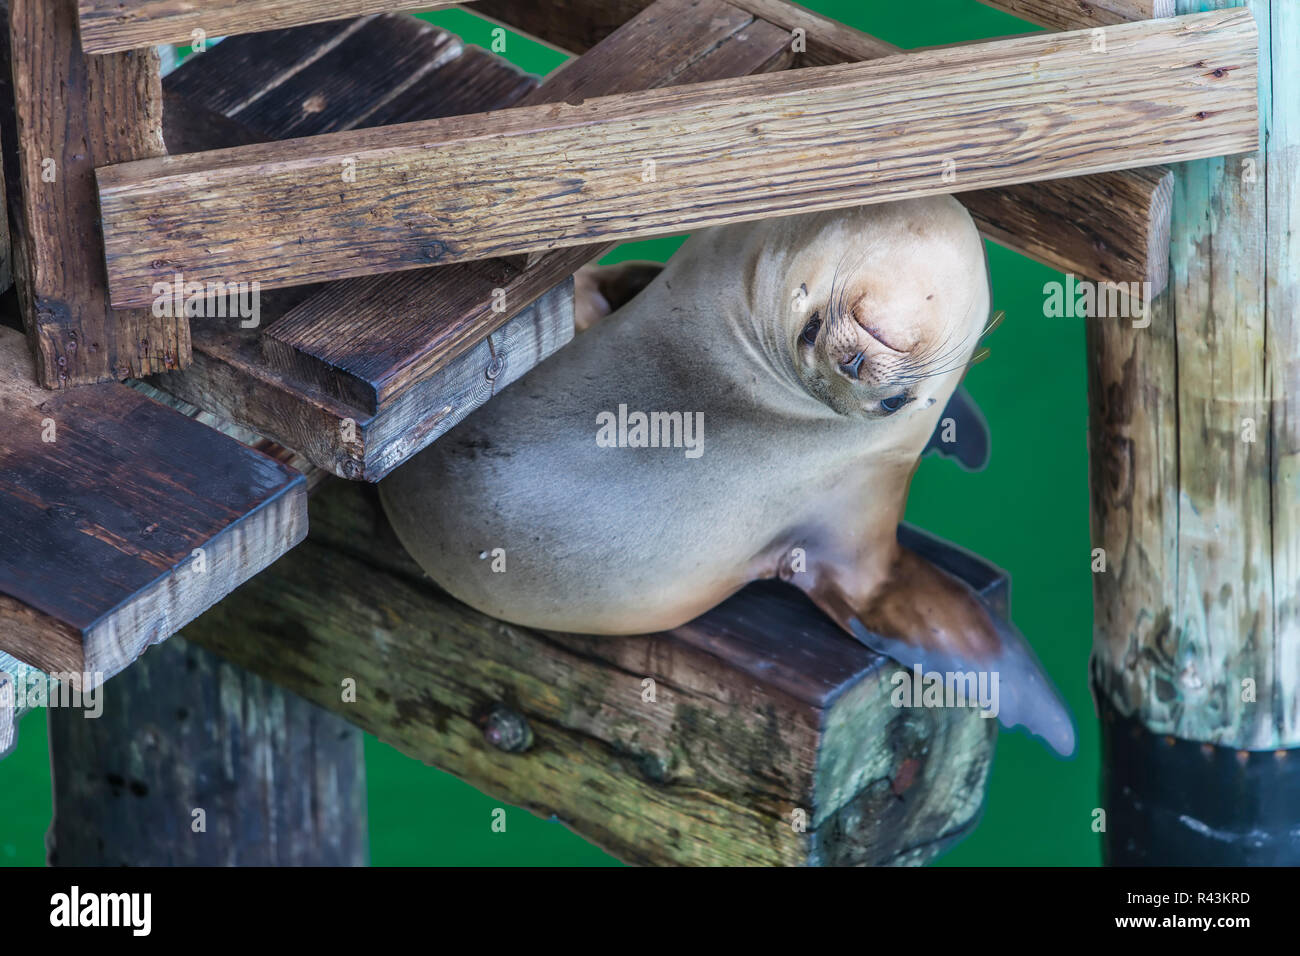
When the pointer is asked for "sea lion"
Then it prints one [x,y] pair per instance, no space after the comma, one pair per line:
[792,371]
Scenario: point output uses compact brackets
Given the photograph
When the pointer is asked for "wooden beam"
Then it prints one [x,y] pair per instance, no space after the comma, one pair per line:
[328,82]
[761,715]
[222,216]
[1194,451]
[121,520]
[110,26]
[372,339]
[195,762]
[572,25]
[1083,14]
[230,378]
[67,114]
[1109,227]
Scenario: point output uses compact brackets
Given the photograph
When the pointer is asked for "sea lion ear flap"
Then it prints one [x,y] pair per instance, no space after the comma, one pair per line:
[962,433]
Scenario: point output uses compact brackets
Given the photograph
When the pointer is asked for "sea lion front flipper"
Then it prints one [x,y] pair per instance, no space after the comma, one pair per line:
[921,616]
[962,432]
[599,291]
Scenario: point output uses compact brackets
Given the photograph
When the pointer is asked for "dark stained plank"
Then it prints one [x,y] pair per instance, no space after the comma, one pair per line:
[230,376]
[73,113]
[112,25]
[370,339]
[761,709]
[121,520]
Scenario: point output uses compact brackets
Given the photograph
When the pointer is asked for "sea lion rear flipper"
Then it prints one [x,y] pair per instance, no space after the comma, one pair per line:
[962,432]
[921,616]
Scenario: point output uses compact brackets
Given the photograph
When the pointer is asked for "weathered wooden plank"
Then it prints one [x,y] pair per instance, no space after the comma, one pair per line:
[71,114]
[369,340]
[468,187]
[230,376]
[1083,14]
[109,26]
[1110,227]
[14,703]
[122,520]
[824,41]
[6,248]
[1195,468]
[759,709]
[195,762]
[572,25]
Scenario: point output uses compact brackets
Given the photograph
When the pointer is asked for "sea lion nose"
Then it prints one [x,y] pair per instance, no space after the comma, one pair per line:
[852,366]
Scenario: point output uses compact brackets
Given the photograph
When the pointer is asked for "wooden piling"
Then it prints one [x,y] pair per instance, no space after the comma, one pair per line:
[196,762]
[1195,471]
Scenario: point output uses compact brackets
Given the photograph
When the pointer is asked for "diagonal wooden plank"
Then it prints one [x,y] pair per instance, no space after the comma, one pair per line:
[230,376]
[109,26]
[121,520]
[371,339]
[541,177]
[68,113]
[1108,227]
[1083,14]
[574,26]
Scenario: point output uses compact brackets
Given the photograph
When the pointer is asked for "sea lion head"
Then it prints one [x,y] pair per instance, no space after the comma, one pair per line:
[878,309]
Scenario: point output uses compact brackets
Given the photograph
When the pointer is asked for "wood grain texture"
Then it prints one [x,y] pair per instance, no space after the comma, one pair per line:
[825,41]
[1083,14]
[369,340]
[231,376]
[105,497]
[6,247]
[761,708]
[798,141]
[1195,450]
[572,25]
[278,781]
[71,114]
[109,26]
[1110,227]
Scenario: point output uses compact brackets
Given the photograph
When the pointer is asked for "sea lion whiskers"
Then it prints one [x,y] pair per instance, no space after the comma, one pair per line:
[923,368]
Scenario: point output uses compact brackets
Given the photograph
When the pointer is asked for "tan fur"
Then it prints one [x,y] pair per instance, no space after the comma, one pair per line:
[628,540]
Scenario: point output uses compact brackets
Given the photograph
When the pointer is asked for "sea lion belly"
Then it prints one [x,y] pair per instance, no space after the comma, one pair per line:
[550,508]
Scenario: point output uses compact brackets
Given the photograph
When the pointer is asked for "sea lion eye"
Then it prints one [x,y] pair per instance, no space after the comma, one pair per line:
[809,334]
[894,402]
